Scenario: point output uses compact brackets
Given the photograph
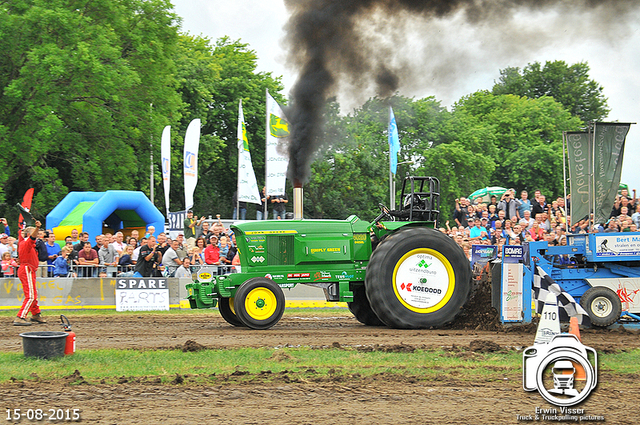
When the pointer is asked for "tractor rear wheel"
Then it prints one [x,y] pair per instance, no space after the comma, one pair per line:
[259,303]
[418,278]
[361,308]
[602,304]
[227,311]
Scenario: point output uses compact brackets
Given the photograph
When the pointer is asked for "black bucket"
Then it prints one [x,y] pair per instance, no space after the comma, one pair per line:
[45,345]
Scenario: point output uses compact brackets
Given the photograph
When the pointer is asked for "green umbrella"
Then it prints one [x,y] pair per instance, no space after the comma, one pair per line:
[486,193]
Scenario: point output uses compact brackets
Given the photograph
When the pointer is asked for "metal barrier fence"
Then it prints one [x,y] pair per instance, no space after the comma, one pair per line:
[90,271]
[74,270]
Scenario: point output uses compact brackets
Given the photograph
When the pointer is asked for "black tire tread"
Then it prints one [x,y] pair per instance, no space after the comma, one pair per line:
[225,311]
[243,291]
[390,311]
[601,291]
[361,308]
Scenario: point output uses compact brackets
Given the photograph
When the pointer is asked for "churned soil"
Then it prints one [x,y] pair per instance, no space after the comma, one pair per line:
[306,397]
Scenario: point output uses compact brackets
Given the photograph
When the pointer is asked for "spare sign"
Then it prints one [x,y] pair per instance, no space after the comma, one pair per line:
[140,294]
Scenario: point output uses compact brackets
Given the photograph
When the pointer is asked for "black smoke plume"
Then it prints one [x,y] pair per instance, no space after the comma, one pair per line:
[378,46]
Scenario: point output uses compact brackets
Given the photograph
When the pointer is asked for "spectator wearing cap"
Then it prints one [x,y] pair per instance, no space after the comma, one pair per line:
[190,224]
[612,226]
[470,223]
[212,251]
[4,244]
[486,225]
[475,232]
[182,250]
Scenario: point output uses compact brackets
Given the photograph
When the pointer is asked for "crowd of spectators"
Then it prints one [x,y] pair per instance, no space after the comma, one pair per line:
[133,255]
[513,221]
[506,221]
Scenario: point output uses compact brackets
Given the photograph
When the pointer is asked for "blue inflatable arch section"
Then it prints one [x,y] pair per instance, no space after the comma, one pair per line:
[113,207]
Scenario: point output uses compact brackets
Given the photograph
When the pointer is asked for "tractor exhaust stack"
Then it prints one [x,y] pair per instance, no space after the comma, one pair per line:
[297,200]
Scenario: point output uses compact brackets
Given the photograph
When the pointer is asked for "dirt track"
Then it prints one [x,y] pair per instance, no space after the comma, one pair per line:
[387,399]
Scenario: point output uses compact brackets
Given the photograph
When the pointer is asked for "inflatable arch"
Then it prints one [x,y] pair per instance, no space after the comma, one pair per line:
[91,211]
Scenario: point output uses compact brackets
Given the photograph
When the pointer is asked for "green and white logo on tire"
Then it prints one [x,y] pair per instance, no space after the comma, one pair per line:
[423,280]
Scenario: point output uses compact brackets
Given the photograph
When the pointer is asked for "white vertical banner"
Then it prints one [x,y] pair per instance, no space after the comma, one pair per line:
[165,154]
[247,184]
[277,158]
[191,143]
[512,287]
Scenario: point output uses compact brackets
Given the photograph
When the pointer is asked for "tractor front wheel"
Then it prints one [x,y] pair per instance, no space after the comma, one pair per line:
[602,304]
[418,278]
[259,303]
[227,311]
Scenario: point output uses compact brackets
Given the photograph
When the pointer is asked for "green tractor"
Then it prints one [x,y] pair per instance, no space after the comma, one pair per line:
[397,271]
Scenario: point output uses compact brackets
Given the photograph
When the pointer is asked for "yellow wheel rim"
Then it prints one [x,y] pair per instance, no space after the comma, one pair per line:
[446,280]
[231,306]
[260,304]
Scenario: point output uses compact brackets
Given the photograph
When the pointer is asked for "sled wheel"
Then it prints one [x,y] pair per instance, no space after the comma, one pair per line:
[225,305]
[259,303]
[361,308]
[602,304]
[417,278]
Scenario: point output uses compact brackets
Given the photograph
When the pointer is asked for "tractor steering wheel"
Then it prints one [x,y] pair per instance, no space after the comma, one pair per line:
[384,212]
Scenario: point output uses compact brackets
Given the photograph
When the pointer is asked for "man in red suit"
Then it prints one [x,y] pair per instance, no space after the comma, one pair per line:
[27,274]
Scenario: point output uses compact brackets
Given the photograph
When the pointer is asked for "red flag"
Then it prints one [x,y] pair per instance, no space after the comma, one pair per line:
[26,203]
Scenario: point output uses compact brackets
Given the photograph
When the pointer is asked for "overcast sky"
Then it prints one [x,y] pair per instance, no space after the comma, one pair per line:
[614,60]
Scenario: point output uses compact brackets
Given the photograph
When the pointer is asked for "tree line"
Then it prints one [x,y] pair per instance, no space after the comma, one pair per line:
[88,86]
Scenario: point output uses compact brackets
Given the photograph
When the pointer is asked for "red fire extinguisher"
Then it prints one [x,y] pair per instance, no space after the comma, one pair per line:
[70,346]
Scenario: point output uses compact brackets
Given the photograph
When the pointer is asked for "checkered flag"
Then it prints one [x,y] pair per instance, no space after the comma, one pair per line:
[567,306]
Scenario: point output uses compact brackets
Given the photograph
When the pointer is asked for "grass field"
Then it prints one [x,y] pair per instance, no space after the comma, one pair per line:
[210,365]
[108,365]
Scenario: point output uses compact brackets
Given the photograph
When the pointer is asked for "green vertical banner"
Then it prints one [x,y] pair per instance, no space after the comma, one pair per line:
[579,159]
[608,148]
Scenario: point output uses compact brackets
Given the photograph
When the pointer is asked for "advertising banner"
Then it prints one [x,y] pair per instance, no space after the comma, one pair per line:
[512,292]
[247,184]
[165,155]
[608,146]
[277,157]
[482,254]
[512,283]
[191,144]
[579,158]
[616,245]
[512,253]
[142,294]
